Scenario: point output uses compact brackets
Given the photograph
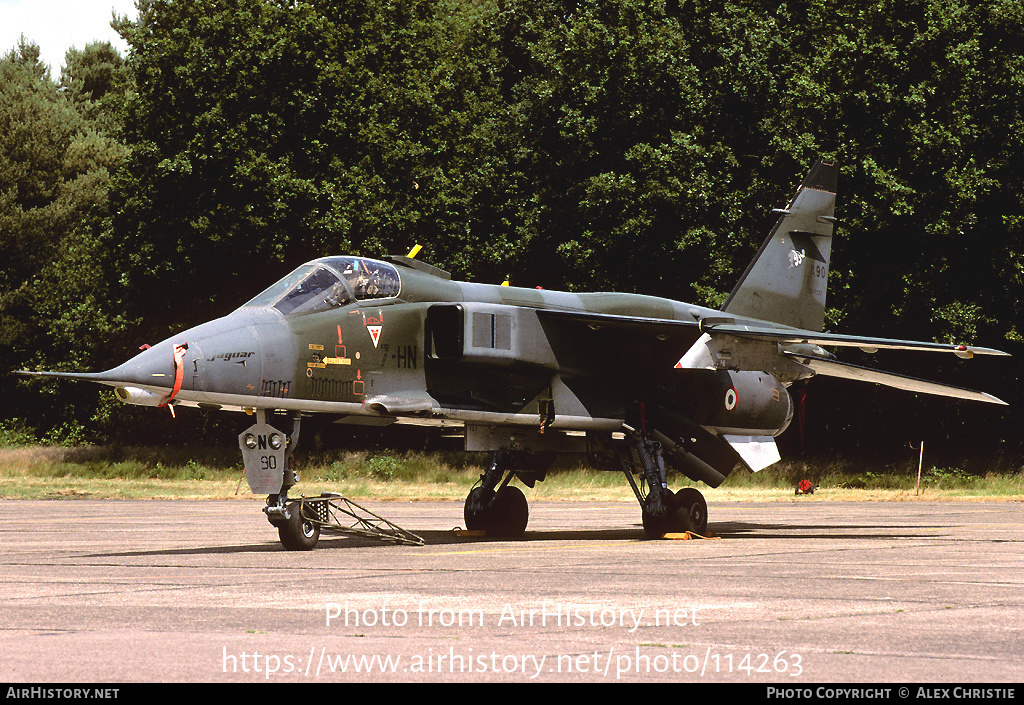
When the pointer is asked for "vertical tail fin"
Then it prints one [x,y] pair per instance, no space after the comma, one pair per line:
[788,277]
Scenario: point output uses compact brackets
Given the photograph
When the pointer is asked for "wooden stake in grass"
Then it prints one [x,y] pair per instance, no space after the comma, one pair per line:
[920,462]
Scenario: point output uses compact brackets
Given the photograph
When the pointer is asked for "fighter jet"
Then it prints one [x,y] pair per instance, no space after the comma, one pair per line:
[637,383]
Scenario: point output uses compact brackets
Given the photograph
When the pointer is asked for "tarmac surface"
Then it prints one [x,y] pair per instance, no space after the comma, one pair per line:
[792,593]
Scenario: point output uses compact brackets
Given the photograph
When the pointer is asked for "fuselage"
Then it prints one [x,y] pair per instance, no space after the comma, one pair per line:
[356,337]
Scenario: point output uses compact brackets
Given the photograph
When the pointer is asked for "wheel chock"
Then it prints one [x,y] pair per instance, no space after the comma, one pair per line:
[688,536]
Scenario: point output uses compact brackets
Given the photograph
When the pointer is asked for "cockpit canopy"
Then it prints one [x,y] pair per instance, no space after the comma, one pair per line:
[331,282]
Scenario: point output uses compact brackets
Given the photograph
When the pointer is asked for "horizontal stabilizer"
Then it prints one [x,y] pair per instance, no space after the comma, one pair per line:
[867,344]
[757,452]
[845,370]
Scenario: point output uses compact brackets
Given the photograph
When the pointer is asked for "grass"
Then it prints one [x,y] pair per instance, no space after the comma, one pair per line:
[37,472]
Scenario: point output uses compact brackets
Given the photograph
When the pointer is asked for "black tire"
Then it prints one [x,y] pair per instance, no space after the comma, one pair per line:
[297,533]
[654,527]
[691,511]
[503,514]
[510,513]
[478,509]
[657,526]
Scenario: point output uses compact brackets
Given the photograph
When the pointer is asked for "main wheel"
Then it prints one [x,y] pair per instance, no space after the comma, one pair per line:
[503,514]
[691,511]
[477,510]
[298,533]
[511,513]
[656,526]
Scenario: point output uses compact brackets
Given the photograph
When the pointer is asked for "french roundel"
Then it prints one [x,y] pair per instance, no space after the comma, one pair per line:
[731,399]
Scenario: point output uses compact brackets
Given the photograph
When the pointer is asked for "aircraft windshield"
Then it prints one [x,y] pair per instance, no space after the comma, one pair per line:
[329,283]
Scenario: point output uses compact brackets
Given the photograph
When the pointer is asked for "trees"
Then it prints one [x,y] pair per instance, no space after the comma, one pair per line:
[96,79]
[283,131]
[55,162]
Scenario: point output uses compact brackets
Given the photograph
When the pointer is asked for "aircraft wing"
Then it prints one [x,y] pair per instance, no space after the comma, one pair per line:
[795,336]
[671,333]
[666,329]
[591,342]
[845,370]
[833,368]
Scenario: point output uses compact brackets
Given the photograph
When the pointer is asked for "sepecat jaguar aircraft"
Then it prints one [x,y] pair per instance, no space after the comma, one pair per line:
[527,372]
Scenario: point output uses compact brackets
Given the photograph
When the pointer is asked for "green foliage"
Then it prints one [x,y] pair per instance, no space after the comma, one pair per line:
[96,79]
[55,163]
[120,463]
[87,470]
[948,478]
[14,433]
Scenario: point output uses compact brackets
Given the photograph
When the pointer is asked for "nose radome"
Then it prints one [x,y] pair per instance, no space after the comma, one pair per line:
[153,367]
[220,357]
[213,356]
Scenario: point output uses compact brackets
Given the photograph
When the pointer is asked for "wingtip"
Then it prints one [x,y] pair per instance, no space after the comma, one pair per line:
[994,400]
[966,352]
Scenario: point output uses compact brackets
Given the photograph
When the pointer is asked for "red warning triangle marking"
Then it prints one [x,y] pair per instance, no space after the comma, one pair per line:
[375,333]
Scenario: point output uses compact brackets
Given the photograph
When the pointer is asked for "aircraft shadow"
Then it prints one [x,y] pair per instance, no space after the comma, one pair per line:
[335,540]
[724,530]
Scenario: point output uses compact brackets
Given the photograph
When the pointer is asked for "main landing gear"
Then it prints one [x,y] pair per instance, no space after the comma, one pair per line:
[500,509]
[663,511]
[495,506]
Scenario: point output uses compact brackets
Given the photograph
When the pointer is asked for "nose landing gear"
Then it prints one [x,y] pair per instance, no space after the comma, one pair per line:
[662,510]
[267,454]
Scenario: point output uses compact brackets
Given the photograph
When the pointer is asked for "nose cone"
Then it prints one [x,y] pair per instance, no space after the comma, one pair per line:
[230,340]
[153,368]
[221,357]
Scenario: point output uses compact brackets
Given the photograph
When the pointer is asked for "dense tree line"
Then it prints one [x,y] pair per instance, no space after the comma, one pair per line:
[624,145]
[57,153]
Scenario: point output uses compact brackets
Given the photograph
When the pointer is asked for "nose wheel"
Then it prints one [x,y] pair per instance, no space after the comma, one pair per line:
[298,533]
